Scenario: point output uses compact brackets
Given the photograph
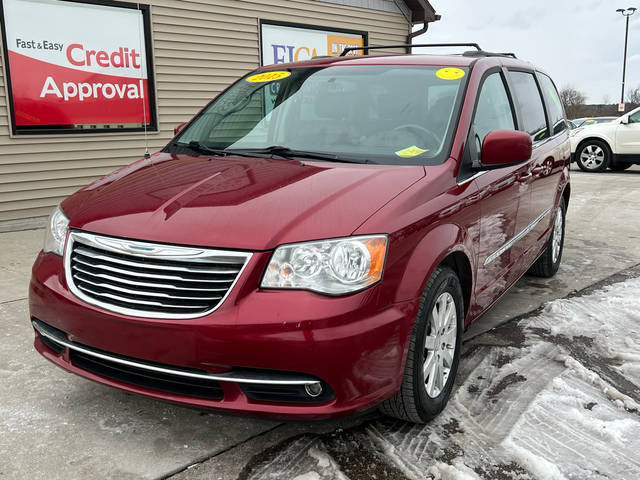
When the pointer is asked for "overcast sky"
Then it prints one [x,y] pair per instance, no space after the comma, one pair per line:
[578,42]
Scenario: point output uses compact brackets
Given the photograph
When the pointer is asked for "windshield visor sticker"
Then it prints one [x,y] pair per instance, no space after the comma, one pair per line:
[412,151]
[268,76]
[450,73]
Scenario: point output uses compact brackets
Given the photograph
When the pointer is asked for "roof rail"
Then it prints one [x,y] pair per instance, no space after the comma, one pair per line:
[435,45]
[489,54]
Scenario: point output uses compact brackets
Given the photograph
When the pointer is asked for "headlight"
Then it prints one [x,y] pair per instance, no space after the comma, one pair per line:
[56,232]
[335,267]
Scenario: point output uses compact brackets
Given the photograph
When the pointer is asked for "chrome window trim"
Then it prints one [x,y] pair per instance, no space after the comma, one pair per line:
[517,237]
[472,177]
[146,249]
[230,377]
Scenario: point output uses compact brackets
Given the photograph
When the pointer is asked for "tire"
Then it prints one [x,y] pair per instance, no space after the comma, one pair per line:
[593,156]
[619,167]
[548,263]
[419,401]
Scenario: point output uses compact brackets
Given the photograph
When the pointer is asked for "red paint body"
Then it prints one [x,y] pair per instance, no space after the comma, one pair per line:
[356,343]
[503,147]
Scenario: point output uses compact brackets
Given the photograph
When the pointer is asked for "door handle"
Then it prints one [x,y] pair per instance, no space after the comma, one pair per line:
[523,177]
[537,170]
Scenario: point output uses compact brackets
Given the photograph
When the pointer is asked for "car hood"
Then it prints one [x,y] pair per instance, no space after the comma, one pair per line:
[599,130]
[235,202]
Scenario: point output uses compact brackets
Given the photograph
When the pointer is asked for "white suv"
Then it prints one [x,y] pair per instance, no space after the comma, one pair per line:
[615,145]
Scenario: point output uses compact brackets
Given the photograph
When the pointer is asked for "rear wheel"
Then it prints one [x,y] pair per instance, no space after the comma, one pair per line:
[434,351]
[593,156]
[548,263]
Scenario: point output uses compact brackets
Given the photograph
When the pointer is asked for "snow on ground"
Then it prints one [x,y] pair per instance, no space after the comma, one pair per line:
[553,396]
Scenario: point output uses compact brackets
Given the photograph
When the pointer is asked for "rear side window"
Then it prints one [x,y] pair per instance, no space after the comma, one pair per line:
[554,107]
[527,97]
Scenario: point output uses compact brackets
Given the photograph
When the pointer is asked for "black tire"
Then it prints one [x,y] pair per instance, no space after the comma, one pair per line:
[619,167]
[600,163]
[412,403]
[545,266]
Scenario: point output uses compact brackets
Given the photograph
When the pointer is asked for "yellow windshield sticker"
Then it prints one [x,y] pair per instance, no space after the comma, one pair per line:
[410,152]
[268,76]
[450,73]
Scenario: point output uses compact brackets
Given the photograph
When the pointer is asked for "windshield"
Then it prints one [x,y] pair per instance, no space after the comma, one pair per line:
[380,114]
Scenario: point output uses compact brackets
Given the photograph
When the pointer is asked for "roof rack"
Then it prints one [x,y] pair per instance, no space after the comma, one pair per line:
[378,47]
[477,53]
[489,54]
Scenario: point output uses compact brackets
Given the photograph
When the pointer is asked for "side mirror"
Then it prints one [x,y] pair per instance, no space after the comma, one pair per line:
[179,128]
[625,120]
[502,148]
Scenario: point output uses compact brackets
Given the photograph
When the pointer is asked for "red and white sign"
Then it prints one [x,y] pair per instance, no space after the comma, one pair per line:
[76,64]
[621,107]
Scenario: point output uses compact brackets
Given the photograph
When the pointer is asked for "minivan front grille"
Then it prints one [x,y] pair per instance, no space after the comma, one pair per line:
[150,280]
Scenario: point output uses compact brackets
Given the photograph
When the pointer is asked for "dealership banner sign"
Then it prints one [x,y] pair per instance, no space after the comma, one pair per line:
[284,42]
[77,66]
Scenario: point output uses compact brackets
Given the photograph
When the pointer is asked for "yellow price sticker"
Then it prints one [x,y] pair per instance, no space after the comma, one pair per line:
[450,73]
[268,76]
[412,151]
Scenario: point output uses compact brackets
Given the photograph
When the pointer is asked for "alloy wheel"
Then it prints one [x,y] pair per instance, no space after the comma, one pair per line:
[440,344]
[557,237]
[592,157]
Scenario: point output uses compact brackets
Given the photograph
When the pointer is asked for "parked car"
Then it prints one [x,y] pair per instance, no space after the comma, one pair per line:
[614,145]
[314,242]
[585,121]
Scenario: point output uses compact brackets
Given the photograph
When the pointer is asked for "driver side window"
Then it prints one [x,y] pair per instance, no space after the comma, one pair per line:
[493,111]
[635,118]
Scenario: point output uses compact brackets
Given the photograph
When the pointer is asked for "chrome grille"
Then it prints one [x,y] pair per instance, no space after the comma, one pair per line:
[147,279]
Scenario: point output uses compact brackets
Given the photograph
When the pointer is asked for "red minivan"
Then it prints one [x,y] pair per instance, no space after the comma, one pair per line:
[314,242]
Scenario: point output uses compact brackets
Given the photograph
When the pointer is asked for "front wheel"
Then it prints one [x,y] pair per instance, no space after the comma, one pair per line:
[593,156]
[434,351]
[548,263]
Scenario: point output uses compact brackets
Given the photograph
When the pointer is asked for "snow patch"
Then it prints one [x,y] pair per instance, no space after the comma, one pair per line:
[443,471]
[593,378]
[308,476]
[537,465]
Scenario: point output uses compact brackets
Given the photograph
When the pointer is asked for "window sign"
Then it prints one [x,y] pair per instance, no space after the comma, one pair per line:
[78,67]
[285,42]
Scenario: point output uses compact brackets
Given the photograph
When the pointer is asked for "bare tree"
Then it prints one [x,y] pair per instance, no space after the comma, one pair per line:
[633,95]
[571,97]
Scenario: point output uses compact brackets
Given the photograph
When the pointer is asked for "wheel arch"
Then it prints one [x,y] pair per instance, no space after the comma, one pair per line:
[461,265]
[448,245]
[566,194]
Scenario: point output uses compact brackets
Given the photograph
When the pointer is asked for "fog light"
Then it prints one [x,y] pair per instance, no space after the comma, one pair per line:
[313,389]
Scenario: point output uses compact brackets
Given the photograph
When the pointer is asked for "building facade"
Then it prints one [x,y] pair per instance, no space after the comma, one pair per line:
[195,48]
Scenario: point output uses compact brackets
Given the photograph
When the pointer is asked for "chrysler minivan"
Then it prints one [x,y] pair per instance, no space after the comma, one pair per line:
[314,242]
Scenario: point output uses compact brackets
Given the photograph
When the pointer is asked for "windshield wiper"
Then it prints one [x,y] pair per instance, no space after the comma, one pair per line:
[287,152]
[280,151]
[199,147]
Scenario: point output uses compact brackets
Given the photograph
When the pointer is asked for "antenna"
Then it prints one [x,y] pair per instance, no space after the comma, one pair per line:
[144,110]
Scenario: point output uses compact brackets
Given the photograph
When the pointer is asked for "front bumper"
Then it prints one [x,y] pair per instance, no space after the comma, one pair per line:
[352,346]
